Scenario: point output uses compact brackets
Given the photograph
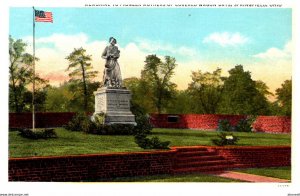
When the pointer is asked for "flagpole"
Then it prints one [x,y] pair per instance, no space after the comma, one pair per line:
[33,83]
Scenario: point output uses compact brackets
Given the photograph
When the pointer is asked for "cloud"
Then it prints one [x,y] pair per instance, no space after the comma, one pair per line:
[275,53]
[169,49]
[52,51]
[273,66]
[226,39]
[131,60]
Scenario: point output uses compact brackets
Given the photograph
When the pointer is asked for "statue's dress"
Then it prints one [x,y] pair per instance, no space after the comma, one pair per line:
[112,73]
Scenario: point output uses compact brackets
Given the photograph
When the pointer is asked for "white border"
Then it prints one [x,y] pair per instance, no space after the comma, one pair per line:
[45,189]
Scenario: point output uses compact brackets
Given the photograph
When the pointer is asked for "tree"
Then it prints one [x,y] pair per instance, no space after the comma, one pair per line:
[263,88]
[20,76]
[81,71]
[67,97]
[141,101]
[284,97]
[206,89]
[181,104]
[17,73]
[156,75]
[58,99]
[240,94]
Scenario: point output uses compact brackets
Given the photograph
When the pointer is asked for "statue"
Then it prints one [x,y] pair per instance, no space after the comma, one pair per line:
[112,73]
[112,100]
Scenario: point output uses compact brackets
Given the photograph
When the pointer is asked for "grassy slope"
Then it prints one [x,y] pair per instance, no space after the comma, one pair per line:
[79,143]
[275,172]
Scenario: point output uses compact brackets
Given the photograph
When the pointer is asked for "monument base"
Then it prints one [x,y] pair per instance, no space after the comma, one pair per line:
[114,103]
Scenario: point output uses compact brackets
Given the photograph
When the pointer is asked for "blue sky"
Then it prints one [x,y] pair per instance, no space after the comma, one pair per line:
[199,38]
[266,27]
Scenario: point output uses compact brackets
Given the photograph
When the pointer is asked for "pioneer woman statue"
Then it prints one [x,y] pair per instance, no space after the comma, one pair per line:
[112,73]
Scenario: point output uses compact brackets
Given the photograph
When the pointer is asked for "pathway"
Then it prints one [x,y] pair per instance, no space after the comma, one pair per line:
[248,177]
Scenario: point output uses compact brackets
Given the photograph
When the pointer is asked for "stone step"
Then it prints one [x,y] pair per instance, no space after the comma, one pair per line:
[196,164]
[199,158]
[190,149]
[196,153]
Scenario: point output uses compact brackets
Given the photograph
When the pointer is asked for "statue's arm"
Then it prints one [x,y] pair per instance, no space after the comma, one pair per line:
[118,54]
[104,54]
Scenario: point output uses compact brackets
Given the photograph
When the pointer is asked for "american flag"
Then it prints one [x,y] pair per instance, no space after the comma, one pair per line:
[41,16]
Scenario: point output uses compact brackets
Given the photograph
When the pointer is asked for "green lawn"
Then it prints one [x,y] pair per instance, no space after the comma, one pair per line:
[275,172]
[69,142]
[187,137]
[172,178]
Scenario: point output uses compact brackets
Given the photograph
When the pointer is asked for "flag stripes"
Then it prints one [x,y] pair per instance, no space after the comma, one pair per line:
[41,16]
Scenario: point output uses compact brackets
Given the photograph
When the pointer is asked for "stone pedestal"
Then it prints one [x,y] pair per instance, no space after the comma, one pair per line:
[115,104]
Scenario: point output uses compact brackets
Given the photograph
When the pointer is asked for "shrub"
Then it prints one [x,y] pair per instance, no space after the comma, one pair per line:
[143,124]
[113,129]
[224,125]
[99,118]
[142,129]
[37,134]
[244,125]
[153,143]
[225,139]
[79,122]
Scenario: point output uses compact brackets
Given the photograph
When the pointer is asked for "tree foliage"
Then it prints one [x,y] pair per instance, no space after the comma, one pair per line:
[183,103]
[240,94]
[141,101]
[284,97]
[81,73]
[68,97]
[206,88]
[156,76]
[21,78]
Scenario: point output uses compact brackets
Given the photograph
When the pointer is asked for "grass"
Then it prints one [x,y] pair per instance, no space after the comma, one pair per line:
[171,178]
[275,172]
[187,137]
[69,143]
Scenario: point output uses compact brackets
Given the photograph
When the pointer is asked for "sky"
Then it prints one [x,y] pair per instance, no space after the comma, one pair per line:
[199,38]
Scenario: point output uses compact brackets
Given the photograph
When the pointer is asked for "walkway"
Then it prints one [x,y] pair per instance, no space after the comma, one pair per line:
[248,177]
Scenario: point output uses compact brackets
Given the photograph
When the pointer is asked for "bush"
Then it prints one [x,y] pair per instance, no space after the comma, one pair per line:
[37,134]
[153,143]
[80,122]
[113,129]
[142,129]
[143,125]
[244,125]
[224,125]
[225,139]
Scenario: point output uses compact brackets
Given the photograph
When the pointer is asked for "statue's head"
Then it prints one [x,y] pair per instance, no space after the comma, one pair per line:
[112,40]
